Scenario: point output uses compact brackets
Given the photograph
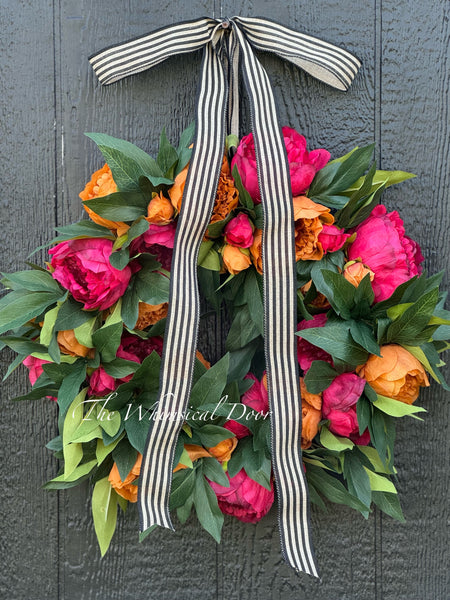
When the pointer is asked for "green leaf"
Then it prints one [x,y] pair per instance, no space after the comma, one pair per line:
[389,504]
[207,508]
[46,335]
[337,289]
[152,287]
[242,331]
[107,340]
[119,206]
[130,305]
[167,155]
[103,451]
[71,315]
[387,177]
[18,307]
[120,259]
[213,470]
[357,478]
[104,512]
[126,161]
[244,197]
[83,229]
[379,483]
[363,413]
[209,258]
[23,346]
[332,488]
[210,385]
[364,336]
[183,484]
[335,339]
[319,376]
[211,435]
[414,320]
[334,442]
[79,474]
[119,367]
[73,452]
[125,456]
[139,227]
[395,408]
[33,281]
[84,332]
[70,386]
[374,458]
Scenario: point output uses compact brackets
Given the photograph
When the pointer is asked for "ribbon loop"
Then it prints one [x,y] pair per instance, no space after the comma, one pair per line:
[228,44]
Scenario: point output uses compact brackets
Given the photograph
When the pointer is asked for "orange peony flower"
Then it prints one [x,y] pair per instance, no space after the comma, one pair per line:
[149,314]
[235,259]
[160,210]
[102,184]
[309,220]
[320,301]
[255,251]
[68,344]
[224,449]
[354,272]
[396,374]
[311,415]
[125,488]
[176,191]
[195,452]
[227,196]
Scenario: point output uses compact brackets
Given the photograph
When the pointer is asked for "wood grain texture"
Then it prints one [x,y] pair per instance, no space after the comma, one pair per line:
[29,515]
[48,99]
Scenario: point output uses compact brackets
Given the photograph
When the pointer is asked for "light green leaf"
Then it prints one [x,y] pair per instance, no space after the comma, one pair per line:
[104,512]
[378,483]
[395,408]
[73,452]
[103,451]
[80,472]
[334,442]
[185,459]
[84,332]
[49,324]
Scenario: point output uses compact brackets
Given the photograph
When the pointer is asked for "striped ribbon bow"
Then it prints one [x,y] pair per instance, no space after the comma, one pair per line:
[228,44]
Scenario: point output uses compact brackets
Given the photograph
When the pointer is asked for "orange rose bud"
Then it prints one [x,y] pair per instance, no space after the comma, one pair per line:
[354,272]
[202,359]
[68,344]
[396,374]
[311,415]
[224,449]
[176,191]
[125,488]
[227,196]
[309,219]
[102,184]
[195,452]
[149,314]
[160,210]
[255,250]
[235,259]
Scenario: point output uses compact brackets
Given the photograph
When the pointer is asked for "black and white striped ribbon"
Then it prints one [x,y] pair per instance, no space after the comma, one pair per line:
[227,44]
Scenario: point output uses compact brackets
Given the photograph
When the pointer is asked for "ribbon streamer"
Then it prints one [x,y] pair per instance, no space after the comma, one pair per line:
[227,45]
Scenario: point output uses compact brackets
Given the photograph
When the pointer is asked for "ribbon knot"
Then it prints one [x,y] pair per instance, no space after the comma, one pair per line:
[222,57]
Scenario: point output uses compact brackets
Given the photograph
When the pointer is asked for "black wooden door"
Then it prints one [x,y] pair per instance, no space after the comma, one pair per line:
[48,98]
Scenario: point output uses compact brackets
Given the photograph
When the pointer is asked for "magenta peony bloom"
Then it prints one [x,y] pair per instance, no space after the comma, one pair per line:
[245,499]
[132,347]
[239,231]
[332,238]
[382,245]
[157,240]
[339,406]
[307,352]
[255,398]
[83,267]
[303,165]
[35,370]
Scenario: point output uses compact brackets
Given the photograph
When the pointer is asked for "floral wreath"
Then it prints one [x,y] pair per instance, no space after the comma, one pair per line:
[89,327]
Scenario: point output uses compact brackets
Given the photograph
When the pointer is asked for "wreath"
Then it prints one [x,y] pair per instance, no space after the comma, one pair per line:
[90,325]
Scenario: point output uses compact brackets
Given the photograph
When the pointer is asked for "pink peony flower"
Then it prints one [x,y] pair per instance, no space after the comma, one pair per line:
[382,245]
[307,352]
[332,238]
[339,406]
[83,267]
[132,347]
[245,499]
[303,165]
[255,398]
[35,370]
[239,231]
[157,240]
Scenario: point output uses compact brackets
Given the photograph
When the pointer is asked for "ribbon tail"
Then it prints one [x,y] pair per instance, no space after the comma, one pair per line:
[280,310]
[183,317]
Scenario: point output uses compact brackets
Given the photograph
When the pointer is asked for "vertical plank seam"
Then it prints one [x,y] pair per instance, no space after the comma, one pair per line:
[56,35]
[378,50]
